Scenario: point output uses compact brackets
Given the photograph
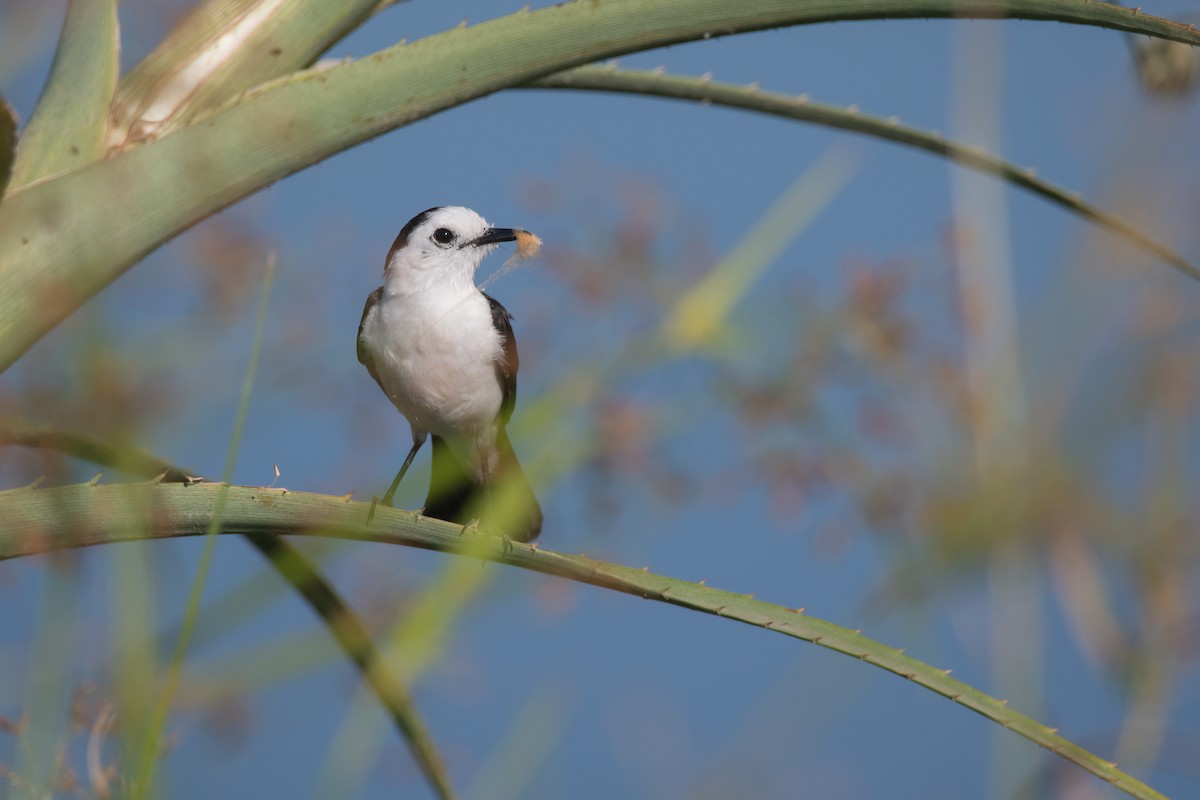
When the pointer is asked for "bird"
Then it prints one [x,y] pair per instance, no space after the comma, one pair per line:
[445,354]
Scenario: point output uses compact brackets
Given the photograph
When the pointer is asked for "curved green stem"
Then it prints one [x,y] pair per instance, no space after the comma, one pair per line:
[37,520]
[751,98]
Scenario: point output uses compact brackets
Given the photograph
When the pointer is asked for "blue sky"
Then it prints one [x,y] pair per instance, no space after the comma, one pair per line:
[604,695]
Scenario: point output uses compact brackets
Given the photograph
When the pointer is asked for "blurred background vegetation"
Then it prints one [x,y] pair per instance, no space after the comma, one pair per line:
[972,435]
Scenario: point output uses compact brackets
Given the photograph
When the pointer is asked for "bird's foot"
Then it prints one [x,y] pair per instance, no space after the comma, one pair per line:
[371,512]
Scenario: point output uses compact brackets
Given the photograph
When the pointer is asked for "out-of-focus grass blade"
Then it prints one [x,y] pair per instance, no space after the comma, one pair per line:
[416,639]
[8,141]
[70,125]
[48,694]
[147,759]
[222,48]
[525,747]
[246,601]
[702,311]
[135,666]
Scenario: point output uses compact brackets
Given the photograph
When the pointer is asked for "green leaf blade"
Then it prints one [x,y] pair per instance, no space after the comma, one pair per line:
[69,128]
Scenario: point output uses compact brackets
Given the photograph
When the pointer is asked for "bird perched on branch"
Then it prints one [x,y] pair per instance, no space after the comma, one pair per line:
[444,353]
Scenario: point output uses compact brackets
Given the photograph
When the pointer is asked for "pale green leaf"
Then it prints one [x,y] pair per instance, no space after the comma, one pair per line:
[69,127]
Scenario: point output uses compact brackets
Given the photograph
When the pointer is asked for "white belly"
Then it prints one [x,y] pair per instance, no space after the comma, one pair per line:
[436,359]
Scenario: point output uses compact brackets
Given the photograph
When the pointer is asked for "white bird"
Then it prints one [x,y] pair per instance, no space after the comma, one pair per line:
[444,353]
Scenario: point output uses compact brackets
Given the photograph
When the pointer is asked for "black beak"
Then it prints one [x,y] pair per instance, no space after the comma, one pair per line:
[494,235]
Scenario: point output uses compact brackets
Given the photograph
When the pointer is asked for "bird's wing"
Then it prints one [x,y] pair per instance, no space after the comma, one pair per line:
[364,353]
[506,367]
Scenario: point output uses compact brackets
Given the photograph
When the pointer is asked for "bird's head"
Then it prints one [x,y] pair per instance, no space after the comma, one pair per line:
[443,245]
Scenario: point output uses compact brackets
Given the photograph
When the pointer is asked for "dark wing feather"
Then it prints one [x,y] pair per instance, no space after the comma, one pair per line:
[364,354]
[506,367]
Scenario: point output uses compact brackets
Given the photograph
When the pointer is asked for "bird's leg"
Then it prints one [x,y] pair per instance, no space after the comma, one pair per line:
[391,492]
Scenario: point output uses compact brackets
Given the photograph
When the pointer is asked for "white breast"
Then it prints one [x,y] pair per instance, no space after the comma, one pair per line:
[436,357]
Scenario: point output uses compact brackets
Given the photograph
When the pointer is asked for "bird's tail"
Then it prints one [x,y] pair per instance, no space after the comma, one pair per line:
[505,502]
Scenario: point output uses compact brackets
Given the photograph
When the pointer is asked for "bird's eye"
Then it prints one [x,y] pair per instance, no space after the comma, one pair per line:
[443,236]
